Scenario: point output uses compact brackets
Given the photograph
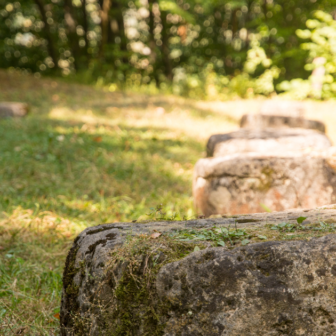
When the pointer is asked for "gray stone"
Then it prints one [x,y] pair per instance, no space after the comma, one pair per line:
[269,288]
[261,121]
[265,141]
[283,108]
[245,183]
[10,109]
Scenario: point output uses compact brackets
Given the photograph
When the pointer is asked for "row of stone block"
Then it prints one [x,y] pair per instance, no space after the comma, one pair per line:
[272,162]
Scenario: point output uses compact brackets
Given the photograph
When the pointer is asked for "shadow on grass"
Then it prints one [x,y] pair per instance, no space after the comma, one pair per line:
[93,173]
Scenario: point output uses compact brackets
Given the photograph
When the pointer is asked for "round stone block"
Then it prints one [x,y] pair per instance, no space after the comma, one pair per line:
[261,121]
[270,140]
[251,183]
[10,109]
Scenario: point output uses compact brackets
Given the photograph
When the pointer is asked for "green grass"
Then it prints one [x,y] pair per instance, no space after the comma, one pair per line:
[84,156]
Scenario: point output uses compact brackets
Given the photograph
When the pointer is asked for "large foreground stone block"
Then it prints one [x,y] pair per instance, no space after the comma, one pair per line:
[245,183]
[269,288]
[275,288]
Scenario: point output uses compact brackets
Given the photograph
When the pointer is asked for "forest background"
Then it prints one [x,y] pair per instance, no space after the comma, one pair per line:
[213,49]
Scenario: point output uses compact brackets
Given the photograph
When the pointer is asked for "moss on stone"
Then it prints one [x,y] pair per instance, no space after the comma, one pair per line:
[266,179]
[70,288]
[136,308]
[123,300]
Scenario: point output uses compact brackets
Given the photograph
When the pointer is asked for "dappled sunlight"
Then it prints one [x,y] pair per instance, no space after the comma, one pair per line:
[195,123]
[26,224]
[83,157]
[35,244]
[82,171]
[105,112]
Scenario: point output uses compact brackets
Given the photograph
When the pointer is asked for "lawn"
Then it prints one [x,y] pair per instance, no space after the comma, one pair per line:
[85,156]
[82,157]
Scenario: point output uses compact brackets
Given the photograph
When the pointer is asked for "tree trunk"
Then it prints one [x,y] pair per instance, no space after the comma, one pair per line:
[265,9]
[165,47]
[247,21]
[85,26]
[72,34]
[51,48]
[110,32]
[234,23]
[121,30]
[152,44]
[104,15]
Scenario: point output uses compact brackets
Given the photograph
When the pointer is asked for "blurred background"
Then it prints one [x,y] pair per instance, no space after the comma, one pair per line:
[204,49]
[122,98]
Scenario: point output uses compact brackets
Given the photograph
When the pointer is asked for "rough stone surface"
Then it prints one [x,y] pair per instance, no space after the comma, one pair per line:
[244,183]
[269,140]
[8,109]
[283,108]
[261,121]
[270,288]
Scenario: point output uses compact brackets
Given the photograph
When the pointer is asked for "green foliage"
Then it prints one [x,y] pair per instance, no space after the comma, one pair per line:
[321,49]
[300,219]
[206,49]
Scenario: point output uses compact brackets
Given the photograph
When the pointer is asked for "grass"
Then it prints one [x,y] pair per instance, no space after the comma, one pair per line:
[82,157]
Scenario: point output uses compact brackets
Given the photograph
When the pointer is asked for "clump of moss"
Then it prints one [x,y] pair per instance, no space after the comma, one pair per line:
[70,288]
[266,179]
[135,307]
[138,306]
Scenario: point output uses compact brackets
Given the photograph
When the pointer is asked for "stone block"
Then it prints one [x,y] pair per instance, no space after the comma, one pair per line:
[270,140]
[268,288]
[283,108]
[261,121]
[247,182]
[9,109]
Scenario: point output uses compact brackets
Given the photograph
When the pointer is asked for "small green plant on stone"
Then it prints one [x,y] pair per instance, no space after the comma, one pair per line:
[219,236]
[291,227]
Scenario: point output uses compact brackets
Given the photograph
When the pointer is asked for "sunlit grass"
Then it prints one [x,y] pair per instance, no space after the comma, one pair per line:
[33,249]
[96,173]
[84,157]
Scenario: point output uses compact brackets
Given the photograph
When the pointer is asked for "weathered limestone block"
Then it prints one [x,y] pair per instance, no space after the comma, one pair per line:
[244,183]
[274,288]
[261,121]
[266,141]
[8,109]
[283,108]
[269,288]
